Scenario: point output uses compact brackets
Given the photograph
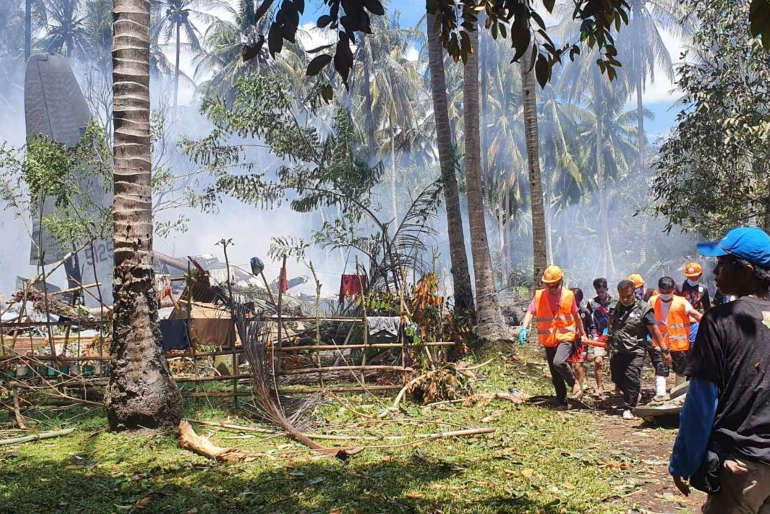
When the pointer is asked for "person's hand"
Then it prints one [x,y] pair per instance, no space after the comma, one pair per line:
[667,359]
[736,467]
[683,486]
[523,333]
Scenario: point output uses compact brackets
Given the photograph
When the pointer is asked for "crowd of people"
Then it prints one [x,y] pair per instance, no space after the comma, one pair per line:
[722,347]
[637,323]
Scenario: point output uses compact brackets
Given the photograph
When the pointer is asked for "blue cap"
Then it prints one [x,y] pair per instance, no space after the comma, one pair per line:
[747,243]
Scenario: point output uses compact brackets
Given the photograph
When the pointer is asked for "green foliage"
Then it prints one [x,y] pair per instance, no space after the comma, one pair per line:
[712,171]
[75,178]
[315,172]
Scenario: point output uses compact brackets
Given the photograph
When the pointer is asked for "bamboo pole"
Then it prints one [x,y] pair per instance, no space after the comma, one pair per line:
[334,347]
[363,367]
[280,322]
[366,323]
[36,437]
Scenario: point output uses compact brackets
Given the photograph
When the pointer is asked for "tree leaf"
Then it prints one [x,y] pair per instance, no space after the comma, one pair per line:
[274,40]
[374,7]
[318,64]
[549,4]
[324,20]
[542,70]
[759,14]
[300,4]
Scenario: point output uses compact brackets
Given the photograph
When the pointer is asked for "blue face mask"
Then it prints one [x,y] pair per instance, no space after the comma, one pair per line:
[693,283]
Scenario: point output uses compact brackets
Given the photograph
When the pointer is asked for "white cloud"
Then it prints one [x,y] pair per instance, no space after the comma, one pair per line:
[664,89]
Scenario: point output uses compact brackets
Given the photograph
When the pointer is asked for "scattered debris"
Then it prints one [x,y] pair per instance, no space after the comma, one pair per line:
[189,440]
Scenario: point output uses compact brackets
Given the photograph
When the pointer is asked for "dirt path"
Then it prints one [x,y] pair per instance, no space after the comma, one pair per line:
[641,457]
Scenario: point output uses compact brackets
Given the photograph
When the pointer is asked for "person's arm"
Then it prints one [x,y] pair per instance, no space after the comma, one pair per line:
[705,299]
[695,424]
[527,320]
[579,324]
[694,314]
[524,330]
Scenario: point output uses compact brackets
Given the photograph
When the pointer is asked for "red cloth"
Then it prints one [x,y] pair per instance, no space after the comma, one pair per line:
[350,285]
[283,282]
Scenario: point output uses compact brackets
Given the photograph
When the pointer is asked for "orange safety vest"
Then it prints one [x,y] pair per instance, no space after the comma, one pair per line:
[675,328]
[555,327]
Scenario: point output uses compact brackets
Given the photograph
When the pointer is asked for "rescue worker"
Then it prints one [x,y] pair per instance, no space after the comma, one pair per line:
[558,323]
[631,321]
[674,314]
[641,292]
[693,291]
[725,422]
[600,315]
[656,357]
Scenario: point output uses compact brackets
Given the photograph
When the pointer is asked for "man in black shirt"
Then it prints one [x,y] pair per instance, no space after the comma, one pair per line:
[728,402]
[631,319]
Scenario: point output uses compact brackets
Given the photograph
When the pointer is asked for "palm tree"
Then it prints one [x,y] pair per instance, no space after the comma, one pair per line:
[35,16]
[490,323]
[175,17]
[387,90]
[66,33]
[527,67]
[641,47]
[141,392]
[463,293]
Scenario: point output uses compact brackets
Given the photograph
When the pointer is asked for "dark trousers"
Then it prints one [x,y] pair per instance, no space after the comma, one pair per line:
[656,356]
[626,370]
[561,372]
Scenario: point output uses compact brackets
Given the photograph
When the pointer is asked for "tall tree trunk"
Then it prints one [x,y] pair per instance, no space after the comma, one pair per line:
[27,29]
[483,84]
[608,266]
[368,116]
[176,70]
[393,195]
[141,392]
[490,322]
[533,166]
[463,293]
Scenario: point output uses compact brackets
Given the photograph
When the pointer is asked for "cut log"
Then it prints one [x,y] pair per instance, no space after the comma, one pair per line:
[189,440]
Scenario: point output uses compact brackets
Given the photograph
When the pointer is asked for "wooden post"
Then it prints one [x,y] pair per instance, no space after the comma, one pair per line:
[280,303]
[225,244]
[366,323]
[188,285]
[317,319]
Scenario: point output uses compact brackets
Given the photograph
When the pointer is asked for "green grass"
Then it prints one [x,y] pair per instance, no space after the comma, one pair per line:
[537,461]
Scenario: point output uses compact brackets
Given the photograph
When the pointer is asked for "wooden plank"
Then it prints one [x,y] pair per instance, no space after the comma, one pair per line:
[352,389]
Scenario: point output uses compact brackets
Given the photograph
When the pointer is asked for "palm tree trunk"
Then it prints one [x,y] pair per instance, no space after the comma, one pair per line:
[463,293]
[640,125]
[533,166]
[393,196]
[176,71]
[368,116]
[141,392]
[609,264]
[490,322]
[483,45]
[27,29]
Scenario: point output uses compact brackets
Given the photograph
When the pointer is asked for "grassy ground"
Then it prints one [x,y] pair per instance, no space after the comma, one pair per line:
[538,460]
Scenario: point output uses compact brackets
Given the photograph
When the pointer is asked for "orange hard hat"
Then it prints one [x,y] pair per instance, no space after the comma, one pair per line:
[693,270]
[552,274]
[637,279]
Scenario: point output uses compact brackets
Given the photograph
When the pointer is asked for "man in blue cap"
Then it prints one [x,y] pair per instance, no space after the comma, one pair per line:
[723,446]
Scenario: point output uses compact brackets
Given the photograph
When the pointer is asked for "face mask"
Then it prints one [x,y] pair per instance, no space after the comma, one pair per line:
[666,297]
[692,282]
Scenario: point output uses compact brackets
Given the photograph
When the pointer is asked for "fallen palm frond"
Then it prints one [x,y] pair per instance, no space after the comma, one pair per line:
[254,337]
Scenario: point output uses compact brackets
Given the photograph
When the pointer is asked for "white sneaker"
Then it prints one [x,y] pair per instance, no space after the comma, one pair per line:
[627,414]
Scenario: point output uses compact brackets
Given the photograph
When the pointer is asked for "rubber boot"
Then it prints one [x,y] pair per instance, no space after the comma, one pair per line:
[660,386]
[680,379]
